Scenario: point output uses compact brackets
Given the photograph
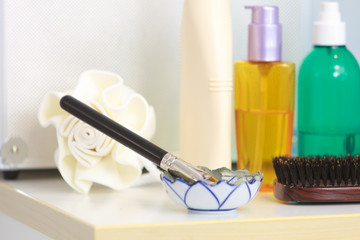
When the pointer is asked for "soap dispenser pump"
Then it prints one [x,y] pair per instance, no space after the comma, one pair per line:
[264,97]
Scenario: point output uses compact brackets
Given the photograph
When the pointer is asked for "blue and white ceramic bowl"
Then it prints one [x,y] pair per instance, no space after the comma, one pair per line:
[204,198]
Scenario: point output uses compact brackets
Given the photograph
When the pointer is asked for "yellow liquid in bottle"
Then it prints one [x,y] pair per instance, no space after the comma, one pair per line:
[264,112]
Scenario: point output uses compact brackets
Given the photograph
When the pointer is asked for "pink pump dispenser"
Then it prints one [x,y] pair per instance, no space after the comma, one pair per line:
[264,34]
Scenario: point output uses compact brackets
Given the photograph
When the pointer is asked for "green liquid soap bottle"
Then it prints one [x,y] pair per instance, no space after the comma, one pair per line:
[329,91]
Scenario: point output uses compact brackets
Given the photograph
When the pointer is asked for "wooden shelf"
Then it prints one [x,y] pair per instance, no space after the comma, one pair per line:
[43,201]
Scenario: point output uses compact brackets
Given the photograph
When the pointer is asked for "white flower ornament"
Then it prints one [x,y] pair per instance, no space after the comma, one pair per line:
[85,155]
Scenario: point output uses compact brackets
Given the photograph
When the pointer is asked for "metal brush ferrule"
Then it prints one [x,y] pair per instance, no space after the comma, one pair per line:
[182,169]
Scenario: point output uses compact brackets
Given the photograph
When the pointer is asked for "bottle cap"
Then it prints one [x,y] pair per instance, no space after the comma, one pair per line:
[264,42]
[329,30]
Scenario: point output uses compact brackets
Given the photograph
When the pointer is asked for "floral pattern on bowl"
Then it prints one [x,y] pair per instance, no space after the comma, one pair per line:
[204,198]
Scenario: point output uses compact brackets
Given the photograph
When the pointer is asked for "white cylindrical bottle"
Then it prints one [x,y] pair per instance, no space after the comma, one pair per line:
[206,83]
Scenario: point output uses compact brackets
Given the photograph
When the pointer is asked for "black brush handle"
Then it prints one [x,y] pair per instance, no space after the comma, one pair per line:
[112,129]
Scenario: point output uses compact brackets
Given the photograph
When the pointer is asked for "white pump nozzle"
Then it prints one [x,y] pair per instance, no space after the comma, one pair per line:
[329,30]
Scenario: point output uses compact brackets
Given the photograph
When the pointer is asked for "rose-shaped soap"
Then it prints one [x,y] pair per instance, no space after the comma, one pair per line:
[84,154]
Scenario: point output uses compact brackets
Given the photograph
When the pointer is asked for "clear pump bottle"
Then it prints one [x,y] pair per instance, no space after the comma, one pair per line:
[329,86]
[264,97]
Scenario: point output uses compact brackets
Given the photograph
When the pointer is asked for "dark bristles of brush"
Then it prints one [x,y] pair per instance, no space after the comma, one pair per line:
[354,169]
[318,171]
[300,167]
[346,169]
[309,171]
[324,169]
[339,169]
[317,179]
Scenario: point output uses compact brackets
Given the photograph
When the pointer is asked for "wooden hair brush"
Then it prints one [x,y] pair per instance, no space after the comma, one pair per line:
[317,179]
